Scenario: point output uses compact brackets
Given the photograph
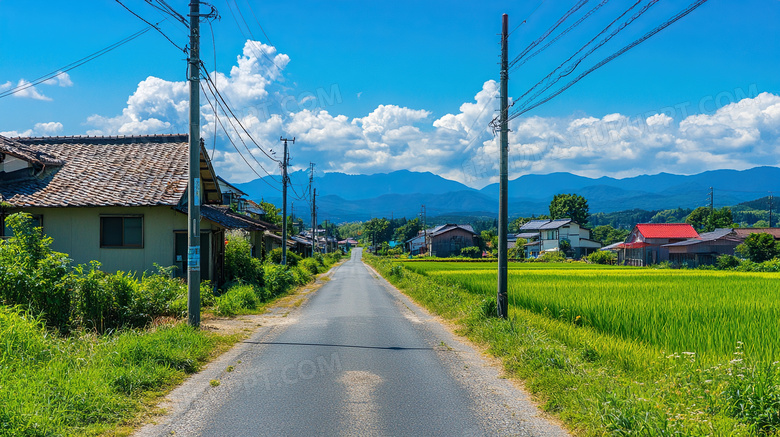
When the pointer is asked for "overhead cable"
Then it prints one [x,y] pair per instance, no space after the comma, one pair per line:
[628,47]
[75,64]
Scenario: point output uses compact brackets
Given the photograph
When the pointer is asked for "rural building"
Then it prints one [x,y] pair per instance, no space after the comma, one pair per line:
[704,250]
[416,245]
[645,244]
[118,200]
[548,234]
[448,240]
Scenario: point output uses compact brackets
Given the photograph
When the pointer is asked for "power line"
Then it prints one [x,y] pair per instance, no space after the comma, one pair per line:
[167,9]
[261,26]
[526,18]
[77,63]
[659,28]
[224,104]
[252,39]
[152,25]
[219,105]
[560,21]
[573,66]
[262,178]
[564,32]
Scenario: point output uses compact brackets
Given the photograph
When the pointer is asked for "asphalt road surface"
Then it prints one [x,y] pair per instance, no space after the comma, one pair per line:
[358,358]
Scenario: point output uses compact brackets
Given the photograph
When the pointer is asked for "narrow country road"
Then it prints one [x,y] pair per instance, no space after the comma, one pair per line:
[357,359]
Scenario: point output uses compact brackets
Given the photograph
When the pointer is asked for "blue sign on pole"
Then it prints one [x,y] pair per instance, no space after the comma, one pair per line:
[193,258]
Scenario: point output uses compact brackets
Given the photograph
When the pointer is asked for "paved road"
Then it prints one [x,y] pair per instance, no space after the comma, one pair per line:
[357,359]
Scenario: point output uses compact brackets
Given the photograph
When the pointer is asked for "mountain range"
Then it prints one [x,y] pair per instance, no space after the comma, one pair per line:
[342,197]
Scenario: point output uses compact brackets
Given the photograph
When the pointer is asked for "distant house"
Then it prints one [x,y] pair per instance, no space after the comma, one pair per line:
[117,200]
[233,196]
[646,244]
[416,245]
[448,240]
[705,249]
[546,236]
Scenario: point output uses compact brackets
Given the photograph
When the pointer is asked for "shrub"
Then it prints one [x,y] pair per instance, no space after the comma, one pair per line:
[300,275]
[516,253]
[278,280]
[759,247]
[603,257]
[727,262]
[311,265]
[275,256]
[33,275]
[240,265]
[471,252]
[555,256]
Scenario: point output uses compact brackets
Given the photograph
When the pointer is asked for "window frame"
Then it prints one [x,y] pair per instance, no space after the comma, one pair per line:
[123,245]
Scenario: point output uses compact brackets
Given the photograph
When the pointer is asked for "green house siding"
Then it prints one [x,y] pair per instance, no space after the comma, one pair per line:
[76,231]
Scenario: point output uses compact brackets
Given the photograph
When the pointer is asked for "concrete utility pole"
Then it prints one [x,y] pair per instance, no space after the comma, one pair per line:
[311,183]
[285,161]
[314,223]
[770,209]
[193,197]
[502,300]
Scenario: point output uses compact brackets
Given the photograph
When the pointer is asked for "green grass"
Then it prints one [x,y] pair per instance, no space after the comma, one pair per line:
[676,311]
[87,384]
[622,351]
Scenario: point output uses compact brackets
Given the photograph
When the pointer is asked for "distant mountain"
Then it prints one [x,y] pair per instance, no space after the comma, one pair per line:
[355,187]
[342,197]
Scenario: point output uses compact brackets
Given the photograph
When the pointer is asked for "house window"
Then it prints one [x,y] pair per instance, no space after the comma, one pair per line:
[552,235]
[122,231]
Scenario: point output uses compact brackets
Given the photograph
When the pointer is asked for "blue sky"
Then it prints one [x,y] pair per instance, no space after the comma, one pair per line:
[389,81]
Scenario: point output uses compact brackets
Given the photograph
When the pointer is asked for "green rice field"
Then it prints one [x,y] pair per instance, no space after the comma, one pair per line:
[712,314]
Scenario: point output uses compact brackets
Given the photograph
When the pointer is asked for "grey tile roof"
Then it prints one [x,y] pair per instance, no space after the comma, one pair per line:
[29,154]
[104,171]
[448,227]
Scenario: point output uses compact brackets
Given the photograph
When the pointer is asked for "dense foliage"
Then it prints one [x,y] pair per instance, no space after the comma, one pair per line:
[571,206]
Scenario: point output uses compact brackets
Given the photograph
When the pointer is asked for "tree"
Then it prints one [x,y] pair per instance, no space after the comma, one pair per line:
[570,206]
[407,231]
[272,213]
[759,247]
[374,228]
[703,221]
[606,234]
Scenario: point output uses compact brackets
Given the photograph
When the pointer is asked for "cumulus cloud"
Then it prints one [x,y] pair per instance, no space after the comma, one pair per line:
[39,129]
[457,145]
[28,91]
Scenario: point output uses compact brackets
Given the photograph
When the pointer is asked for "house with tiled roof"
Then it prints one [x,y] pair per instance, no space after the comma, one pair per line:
[548,235]
[646,244]
[118,200]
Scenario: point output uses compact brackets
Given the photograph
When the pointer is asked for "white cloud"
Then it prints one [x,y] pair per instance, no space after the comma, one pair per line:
[458,145]
[29,92]
[40,129]
[61,79]
[49,128]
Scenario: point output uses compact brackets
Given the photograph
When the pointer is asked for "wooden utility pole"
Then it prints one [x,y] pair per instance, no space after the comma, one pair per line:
[285,161]
[193,198]
[502,300]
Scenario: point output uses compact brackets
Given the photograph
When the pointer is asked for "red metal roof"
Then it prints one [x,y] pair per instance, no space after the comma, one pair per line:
[667,230]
